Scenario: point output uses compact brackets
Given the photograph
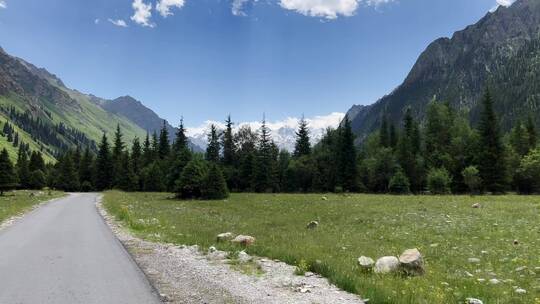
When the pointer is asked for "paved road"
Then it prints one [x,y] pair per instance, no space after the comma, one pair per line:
[64,253]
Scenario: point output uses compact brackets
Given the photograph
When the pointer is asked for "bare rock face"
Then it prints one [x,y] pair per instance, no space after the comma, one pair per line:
[412,262]
[222,237]
[244,240]
[387,264]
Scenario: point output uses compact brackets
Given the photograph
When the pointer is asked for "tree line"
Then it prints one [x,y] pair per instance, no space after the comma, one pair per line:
[442,154]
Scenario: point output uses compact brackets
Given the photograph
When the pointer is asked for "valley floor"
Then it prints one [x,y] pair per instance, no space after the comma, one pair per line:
[489,253]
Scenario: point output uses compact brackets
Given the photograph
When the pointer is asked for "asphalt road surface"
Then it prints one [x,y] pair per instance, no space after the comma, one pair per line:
[63,252]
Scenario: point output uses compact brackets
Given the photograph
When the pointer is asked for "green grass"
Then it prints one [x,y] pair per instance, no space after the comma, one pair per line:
[17,202]
[444,228]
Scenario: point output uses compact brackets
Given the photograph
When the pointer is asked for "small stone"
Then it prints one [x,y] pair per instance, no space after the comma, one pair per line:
[312,225]
[243,257]
[474,260]
[245,240]
[470,275]
[494,281]
[308,274]
[224,236]
[387,264]
[164,297]
[516,242]
[324,198]
[481,280]
[476,206]
[412,262]
[212,249]
[520,291]
[519,269]
[484,252]
[435,245]
[366,262]
[473,301]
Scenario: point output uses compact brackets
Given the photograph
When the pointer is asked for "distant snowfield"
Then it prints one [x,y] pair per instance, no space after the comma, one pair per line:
[283,131]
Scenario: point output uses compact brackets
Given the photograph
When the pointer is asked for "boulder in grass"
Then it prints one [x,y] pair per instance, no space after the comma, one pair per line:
[312,225]
[222,237]
[476,206]
[387,264]
[412,262]
[244,240]
[473,301]
[366,263]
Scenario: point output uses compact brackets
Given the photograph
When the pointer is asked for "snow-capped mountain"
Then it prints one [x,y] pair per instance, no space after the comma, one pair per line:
[283,132]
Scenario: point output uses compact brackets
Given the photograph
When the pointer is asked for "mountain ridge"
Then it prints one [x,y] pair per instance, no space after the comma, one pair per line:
[458,69]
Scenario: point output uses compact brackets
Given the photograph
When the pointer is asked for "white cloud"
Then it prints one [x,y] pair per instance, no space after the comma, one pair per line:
[143,13]
[118,22]
[164,6]
[329,9]
[283,131]
[3,4]
[238,7]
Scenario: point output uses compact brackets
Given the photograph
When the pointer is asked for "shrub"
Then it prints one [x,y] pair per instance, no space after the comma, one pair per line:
[471,177]
[399,183]
[528,174]
[153,180]
[190,183]
[214,185]
[438,181]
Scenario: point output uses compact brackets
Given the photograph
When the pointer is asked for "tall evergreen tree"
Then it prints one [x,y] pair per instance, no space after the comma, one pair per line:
[229,149]
[214,185]
[117,152]
[491,160]
[23,170]
[36,162]
[8,178]
[68,177]
[347,157]
[303,144]
[393,136]
[263,170]
[103,174]
[212,151]
[136,158]
[85,170]
[181,142]
[180,157]
[531,130]
[164,145]
[147,156]
[384,135]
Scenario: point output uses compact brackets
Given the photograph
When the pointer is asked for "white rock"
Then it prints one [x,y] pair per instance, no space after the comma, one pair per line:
[476,206]
[212,249]
[245,240]
[243,257]
[387,264]
[474,260]
[412,262]
[312,225]
[494,281]
[520,291]
[521,268]
[366,262]
[226,236]
[473,301]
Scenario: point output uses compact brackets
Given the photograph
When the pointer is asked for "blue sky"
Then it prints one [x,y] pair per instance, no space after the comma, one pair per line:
[208,58]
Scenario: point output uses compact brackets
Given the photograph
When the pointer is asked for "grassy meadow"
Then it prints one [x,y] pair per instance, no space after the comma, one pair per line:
[17,202]
[445,229]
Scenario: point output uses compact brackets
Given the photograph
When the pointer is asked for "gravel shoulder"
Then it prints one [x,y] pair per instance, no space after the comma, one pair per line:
[183,274]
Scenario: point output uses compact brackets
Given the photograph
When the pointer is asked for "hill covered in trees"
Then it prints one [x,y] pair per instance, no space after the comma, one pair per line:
[41,112]
[501,51]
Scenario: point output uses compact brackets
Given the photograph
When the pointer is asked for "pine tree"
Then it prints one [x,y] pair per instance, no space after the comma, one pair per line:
[103,176]
[263,171]
[8,178]
[164,147]
[181,142]
[155,147]
[347,157]
[68,179]
[384,136]
[36,162]
[190,183]
[531,131]
[85,170]
[229,149]
[491,161]
[393,136]
[214,185]
[212,151]
[153,179]
[128,180]
[147,151]
[136,159]
[23,171]
[303,145]
[519,139]
[117,152]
